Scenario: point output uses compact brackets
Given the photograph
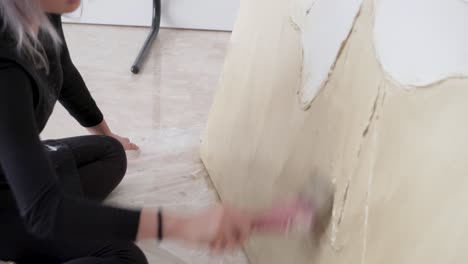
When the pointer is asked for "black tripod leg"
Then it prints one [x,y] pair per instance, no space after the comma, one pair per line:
[151,37]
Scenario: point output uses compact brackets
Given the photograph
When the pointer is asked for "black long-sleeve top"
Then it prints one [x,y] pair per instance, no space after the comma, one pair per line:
[27,98]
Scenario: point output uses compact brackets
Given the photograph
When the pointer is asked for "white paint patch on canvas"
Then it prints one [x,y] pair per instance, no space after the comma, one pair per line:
[325,27]
[421,42]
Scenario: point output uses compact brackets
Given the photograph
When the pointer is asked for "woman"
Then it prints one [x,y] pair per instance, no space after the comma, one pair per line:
[50,191]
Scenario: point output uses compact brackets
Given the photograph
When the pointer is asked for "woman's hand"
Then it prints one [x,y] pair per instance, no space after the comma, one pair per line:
[103,129]
[220,227]
[126,143]
[235,227]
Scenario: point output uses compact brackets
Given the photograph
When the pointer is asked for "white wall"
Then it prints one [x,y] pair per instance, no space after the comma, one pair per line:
[200,14]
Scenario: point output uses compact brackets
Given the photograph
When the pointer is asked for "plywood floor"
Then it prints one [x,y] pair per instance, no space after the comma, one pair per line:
[164,110]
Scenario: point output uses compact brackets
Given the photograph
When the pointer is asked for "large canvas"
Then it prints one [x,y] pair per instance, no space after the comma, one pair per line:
[396,149]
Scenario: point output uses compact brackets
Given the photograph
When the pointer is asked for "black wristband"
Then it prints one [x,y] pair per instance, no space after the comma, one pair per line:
[160,225]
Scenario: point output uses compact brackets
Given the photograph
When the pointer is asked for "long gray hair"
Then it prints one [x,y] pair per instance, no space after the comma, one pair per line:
[23,19]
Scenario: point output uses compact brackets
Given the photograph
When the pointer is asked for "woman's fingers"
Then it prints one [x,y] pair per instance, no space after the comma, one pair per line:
[126,143]
[132,146]
[244,225]
[217,245]
[220,227]
[221,239]
[244,232]
[235,242]
[235,229]
[230,239]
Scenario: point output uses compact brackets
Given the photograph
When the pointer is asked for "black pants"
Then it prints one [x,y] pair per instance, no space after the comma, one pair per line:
[90,167]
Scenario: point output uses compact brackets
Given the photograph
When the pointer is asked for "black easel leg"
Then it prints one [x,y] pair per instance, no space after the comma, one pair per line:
[151,37]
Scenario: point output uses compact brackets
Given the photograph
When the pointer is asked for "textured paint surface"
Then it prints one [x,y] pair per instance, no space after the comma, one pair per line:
[397,158]
[326,26]
[421,42]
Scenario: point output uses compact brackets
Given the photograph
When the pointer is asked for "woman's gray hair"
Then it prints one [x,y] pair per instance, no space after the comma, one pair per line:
[23,19]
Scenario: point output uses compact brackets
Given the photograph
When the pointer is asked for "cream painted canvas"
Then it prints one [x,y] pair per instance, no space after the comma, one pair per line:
[396,152]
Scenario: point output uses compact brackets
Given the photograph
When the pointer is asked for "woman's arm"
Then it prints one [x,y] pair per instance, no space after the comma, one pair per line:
[219,227]
[74,94]
[47,211]
[50,213]
[76,98]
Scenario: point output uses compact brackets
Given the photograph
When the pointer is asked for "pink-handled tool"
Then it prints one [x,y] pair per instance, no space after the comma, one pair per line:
[308,212]
[286,217]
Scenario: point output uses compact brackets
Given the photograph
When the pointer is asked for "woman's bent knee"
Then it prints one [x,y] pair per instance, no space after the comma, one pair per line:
[116,155]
